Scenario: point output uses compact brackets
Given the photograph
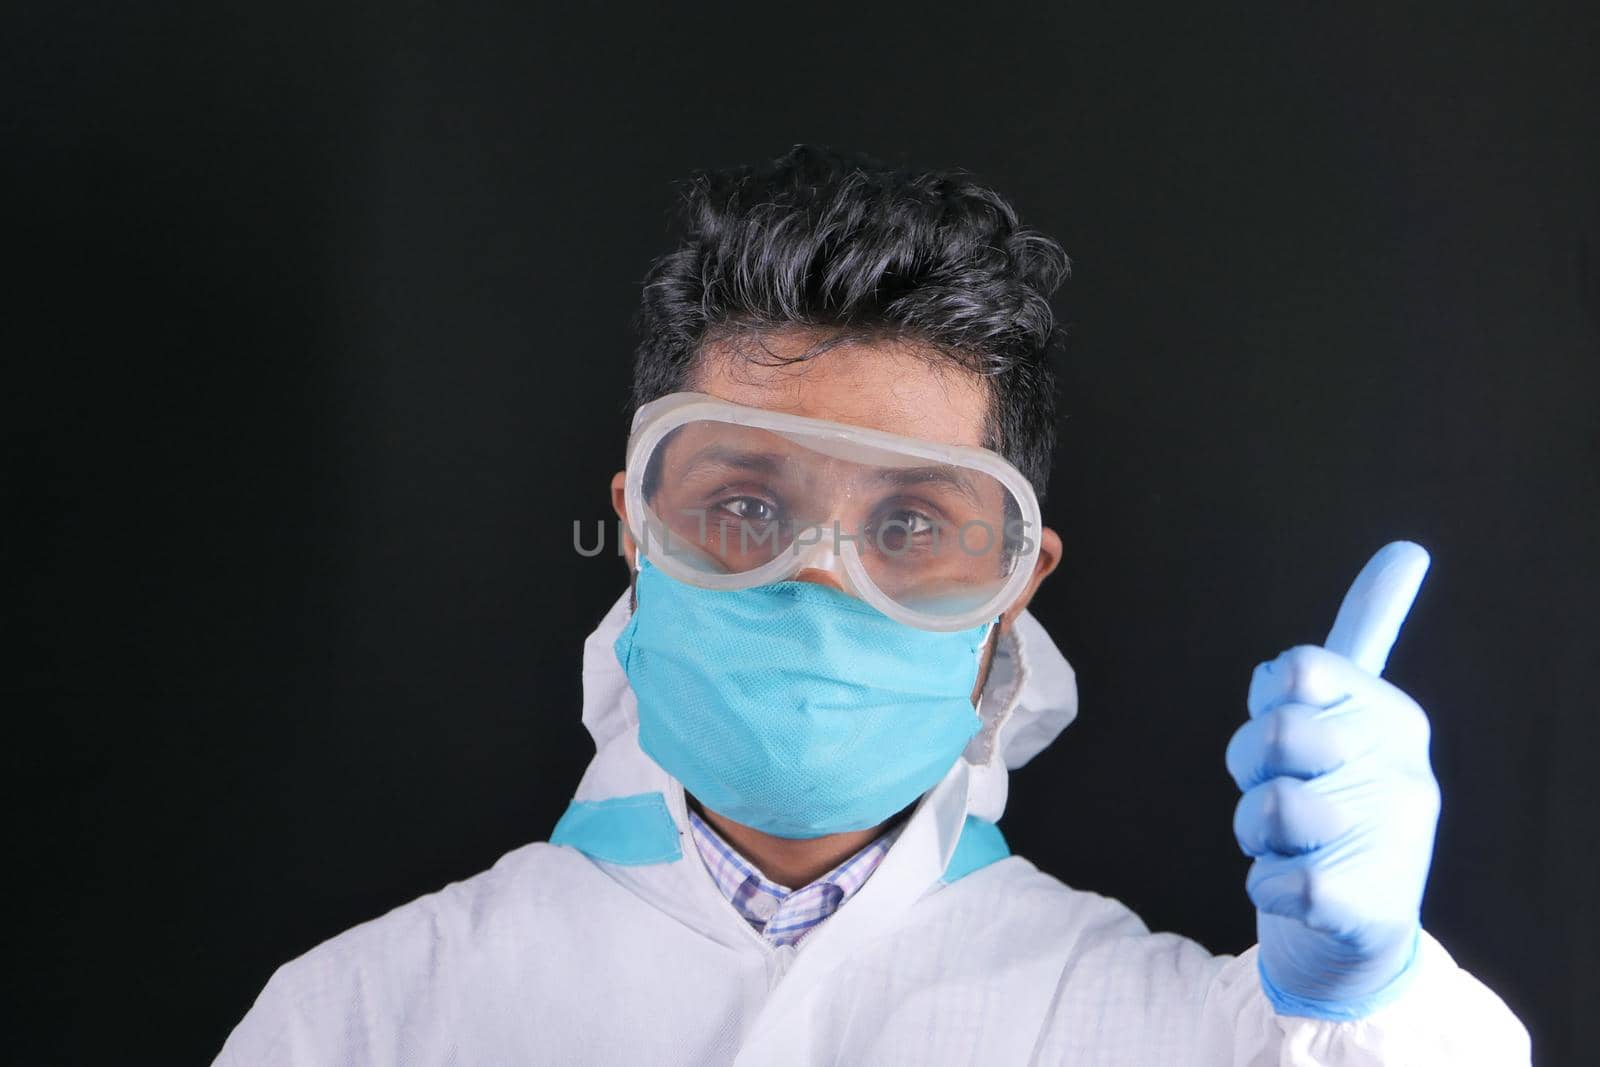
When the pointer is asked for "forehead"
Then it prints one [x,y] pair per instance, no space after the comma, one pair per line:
[894,386]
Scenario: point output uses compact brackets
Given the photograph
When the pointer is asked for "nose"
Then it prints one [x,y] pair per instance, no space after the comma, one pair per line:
[820,564]
[820,577]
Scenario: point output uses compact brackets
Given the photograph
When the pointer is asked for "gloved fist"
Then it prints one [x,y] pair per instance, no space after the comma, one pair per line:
[1339,806]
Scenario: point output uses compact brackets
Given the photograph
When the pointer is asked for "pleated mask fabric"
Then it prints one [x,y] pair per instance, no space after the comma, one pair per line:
[794,708]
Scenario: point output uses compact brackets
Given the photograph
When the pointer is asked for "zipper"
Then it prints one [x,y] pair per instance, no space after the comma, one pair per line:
[779,964]
[680,811]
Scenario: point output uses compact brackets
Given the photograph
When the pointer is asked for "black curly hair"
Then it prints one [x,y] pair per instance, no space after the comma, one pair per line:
[838,242]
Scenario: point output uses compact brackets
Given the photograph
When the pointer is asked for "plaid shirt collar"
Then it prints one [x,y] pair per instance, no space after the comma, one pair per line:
[781,915]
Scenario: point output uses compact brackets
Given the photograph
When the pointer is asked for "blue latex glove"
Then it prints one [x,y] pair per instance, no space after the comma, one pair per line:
[1339,806]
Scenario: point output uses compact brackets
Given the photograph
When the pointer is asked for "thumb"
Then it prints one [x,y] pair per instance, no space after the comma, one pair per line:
[1377,603]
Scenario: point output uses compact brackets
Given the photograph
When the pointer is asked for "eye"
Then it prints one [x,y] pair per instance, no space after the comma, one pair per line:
[749,508]
[913,523]
[903,528]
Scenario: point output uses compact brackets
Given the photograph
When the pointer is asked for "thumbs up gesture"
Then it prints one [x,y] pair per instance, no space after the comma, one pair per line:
[1339,806]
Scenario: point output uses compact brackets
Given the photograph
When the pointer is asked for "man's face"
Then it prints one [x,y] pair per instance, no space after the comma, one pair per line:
[881,385]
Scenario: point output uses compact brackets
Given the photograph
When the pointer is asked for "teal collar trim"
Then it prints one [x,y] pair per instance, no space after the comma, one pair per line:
[980,844]
[632,831]
[637,830]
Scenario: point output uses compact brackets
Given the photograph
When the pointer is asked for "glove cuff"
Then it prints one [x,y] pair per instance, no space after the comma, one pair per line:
[1285,1003]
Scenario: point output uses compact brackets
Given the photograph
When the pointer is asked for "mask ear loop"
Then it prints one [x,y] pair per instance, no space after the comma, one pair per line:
[983,639]
[990,628]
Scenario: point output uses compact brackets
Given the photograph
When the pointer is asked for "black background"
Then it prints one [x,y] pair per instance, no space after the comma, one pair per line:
[321,343]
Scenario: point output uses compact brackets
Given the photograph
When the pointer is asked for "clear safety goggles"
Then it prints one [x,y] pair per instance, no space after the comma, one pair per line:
[940,537]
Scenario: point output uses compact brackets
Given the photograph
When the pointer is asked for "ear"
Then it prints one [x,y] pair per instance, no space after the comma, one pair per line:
[619,504]
[1049,557]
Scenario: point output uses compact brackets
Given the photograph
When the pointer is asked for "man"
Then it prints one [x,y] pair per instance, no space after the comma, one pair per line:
[806,704]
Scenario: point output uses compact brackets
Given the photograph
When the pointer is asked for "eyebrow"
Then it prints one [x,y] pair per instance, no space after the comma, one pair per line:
[742,459]
[949,476]
[771,463]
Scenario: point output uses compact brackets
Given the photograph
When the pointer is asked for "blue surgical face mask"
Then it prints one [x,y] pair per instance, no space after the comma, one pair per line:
[792,707]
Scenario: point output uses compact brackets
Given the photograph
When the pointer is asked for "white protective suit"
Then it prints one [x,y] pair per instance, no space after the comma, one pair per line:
[952,953]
